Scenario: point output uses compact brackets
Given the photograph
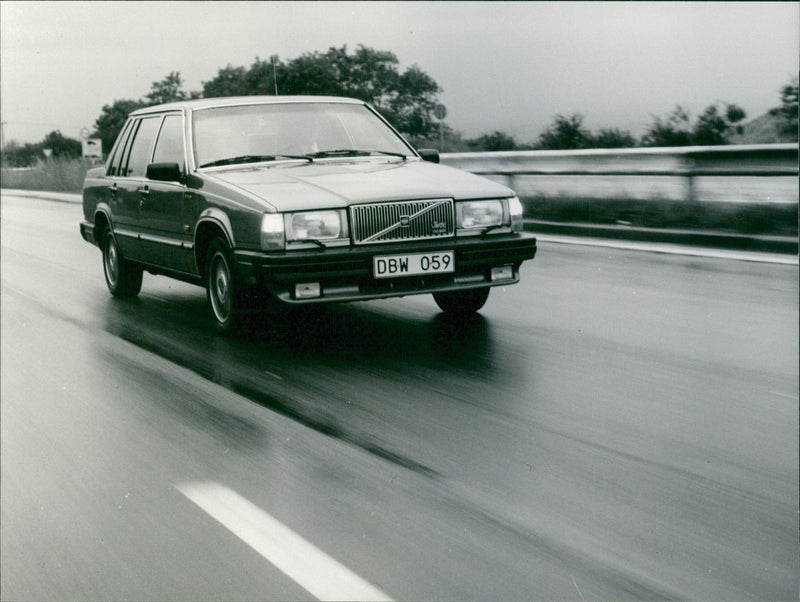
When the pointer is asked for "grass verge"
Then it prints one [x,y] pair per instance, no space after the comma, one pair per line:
[778,219]
[54,175]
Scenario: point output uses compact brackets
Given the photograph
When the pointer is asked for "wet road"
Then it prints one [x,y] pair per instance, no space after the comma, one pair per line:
[620,425]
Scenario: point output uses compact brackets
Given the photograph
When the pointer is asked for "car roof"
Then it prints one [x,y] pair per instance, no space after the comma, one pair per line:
[205,103]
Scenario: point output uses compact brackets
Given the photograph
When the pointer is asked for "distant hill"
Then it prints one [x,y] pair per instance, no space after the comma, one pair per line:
[761,130]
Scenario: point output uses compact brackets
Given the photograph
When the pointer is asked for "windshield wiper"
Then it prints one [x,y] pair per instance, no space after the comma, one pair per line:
[314,241]
[354,152]
[488,229]
[254,159]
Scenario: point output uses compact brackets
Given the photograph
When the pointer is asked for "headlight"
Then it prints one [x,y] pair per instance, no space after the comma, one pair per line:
[515,211]
[480,214]
[272,237]
[316,225]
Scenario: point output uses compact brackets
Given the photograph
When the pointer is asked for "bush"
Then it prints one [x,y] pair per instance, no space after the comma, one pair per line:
[26,155]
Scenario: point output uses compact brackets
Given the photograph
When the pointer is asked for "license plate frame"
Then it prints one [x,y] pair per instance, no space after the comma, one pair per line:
[402,265]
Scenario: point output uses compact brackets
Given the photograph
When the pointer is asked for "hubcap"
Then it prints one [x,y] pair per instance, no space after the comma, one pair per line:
[112,261]
[220,288]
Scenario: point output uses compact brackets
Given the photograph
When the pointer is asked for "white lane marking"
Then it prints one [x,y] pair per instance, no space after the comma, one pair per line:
[307,565]
[672,249]
[779,394]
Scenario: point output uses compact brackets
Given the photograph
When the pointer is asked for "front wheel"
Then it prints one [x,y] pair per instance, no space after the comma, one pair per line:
[123,278]
[462,302]
[222,289]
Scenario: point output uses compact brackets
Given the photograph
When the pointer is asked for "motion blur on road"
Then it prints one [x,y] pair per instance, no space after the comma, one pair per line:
[620,425]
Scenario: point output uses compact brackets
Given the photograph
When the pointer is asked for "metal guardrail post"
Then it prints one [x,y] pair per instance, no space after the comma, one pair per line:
[510,180]
[688,168]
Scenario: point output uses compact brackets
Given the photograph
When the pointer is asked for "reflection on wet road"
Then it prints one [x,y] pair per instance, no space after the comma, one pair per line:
[620,425]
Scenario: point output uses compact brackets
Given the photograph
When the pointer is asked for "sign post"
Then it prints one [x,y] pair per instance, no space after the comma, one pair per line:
[440,112]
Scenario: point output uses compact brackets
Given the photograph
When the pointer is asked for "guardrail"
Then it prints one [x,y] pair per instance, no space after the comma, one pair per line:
[749,189]
[752,174]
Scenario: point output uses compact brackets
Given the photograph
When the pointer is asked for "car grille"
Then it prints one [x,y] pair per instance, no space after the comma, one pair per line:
[404,220]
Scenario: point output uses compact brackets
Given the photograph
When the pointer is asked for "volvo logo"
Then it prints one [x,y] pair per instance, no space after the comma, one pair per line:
[405,221]
[438,228]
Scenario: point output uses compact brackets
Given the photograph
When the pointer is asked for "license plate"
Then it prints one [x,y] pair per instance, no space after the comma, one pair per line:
[413,264]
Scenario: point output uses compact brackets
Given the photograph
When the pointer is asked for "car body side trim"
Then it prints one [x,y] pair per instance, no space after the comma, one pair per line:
[167,241]
[125,233]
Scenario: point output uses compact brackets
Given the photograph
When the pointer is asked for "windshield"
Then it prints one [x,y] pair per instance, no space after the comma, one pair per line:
[244,134]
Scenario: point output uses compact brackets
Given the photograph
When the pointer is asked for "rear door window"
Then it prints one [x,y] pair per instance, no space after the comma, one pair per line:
[142,147]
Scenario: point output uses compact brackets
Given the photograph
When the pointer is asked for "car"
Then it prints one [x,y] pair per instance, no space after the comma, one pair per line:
[293,200]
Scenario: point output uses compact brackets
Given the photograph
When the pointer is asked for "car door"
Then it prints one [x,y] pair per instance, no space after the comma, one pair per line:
[132,187]
[164,239]
[124,212]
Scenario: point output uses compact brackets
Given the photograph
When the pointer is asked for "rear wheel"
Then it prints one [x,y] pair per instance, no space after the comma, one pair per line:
[223,291]
[462,302]
[123,278]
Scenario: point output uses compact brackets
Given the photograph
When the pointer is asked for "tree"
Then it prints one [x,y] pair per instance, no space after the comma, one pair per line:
[112,118]
[612,138]
[168,89]
[230,81]
[25,155]
[675,130]
[496,141]
[710,128]
[263,78]
[21,155]
[61,146]
[714,127]
[412,109]
[407,99]
[787,113]
[734,114]
[566,132]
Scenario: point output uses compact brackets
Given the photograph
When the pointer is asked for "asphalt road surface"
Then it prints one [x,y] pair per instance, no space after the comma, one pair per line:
[620,425]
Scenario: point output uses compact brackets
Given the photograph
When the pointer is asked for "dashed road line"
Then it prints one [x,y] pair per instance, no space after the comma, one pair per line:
[311,568]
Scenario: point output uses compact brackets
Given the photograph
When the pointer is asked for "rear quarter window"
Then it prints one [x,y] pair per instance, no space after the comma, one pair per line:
[118,151]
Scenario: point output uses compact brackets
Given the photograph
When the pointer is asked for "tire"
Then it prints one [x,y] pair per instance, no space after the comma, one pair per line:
[462,302]
[123,277]
[224,293]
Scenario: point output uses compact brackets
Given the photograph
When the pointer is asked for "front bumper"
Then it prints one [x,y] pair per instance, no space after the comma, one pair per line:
[345,273]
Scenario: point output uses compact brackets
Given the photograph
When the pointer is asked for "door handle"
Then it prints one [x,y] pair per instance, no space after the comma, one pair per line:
[112,190]
[144,194]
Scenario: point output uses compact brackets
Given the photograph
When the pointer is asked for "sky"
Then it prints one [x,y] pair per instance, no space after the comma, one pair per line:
[508,66]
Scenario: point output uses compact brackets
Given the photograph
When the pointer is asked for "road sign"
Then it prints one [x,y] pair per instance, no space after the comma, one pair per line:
[92,148]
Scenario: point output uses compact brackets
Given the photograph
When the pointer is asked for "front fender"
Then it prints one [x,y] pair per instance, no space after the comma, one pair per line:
[218,218]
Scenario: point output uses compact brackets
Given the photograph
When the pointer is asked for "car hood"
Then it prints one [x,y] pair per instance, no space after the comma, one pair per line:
[340,184]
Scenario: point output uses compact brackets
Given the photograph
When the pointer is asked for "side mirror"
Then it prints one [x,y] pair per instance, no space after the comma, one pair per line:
[164,172]
[429,154]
